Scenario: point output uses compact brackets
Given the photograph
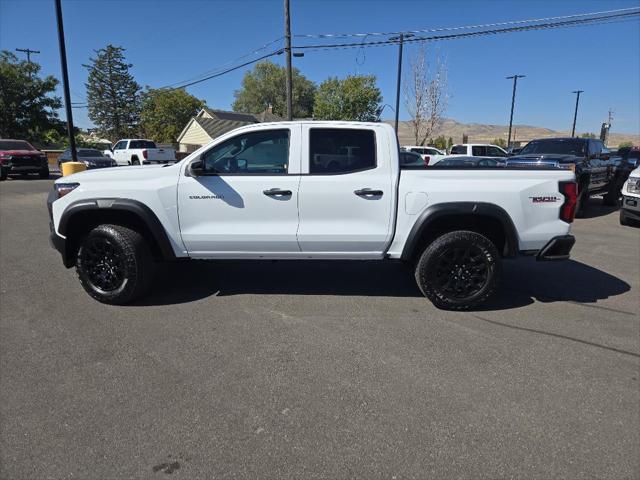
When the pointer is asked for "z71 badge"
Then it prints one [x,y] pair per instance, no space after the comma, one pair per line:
[544,199]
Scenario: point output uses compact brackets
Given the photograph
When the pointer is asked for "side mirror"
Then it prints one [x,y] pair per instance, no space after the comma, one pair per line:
[197,168]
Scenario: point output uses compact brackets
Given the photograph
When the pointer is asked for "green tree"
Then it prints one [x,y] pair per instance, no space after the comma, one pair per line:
[501,142]
[625,145]
[449,143]
[113,94]
[355,98]
[588,135]
[165,113]
[265,86]
[27,108]
[440,142]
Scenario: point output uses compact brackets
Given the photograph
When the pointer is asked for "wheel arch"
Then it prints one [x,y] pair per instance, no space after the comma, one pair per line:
[485,218]
[82,216]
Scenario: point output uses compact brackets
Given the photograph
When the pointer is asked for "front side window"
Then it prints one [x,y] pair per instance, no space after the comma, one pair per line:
[261,152]
[341,150]
[495,152]
[459,150]
[120,145]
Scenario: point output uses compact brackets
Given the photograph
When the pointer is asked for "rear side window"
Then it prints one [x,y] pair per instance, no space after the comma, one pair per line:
[459,150]
[340,150]
[142,144]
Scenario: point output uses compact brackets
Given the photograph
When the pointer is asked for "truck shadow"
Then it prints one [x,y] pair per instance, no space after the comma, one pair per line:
[597,208]
[524,281]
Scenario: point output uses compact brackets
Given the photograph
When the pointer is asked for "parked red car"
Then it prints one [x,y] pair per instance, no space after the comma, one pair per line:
[20,157]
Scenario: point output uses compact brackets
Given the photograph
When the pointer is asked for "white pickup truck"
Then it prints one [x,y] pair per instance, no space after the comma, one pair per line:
[478,150]
[256,193]
[138,151]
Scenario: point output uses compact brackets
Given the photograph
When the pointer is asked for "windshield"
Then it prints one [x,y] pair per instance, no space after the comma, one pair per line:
[566,146]
[15,145]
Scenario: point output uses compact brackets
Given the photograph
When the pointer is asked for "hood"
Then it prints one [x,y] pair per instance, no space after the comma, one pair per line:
[544,158]
[120,174]
[22,152]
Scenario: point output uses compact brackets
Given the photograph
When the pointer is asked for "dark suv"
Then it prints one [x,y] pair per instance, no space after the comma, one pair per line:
[596,169]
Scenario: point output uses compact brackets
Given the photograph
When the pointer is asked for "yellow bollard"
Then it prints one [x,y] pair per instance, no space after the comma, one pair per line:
[72,167]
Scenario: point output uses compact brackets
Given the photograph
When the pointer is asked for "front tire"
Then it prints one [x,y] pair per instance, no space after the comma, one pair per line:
[3,173]
[459,270]
[613,194]
[44,173]
[114,264]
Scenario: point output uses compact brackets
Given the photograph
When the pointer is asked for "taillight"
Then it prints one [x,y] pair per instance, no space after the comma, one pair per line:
[568,209]
[144,154]
[427,159]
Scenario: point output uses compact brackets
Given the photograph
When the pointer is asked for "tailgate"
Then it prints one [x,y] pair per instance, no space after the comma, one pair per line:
[160,154]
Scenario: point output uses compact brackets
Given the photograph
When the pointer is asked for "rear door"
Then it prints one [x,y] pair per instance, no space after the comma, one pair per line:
[346,196]
[245,205]
[599,166]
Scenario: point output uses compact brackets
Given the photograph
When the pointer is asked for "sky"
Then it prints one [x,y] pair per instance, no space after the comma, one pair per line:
[168,41]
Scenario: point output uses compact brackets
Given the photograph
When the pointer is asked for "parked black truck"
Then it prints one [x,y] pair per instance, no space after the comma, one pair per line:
[597,171]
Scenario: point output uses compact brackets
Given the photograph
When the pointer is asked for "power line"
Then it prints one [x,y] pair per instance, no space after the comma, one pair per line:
[549,25]
[464,27]
[230,62]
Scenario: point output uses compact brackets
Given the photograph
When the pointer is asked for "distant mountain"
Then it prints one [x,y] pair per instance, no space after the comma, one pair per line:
[483,133]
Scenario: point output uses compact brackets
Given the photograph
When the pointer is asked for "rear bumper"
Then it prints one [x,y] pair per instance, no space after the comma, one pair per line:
[557,248]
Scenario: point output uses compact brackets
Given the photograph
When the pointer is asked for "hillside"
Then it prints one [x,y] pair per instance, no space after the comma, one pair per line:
[482,133]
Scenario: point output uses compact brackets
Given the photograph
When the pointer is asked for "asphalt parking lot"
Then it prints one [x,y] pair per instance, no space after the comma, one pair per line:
[318,370]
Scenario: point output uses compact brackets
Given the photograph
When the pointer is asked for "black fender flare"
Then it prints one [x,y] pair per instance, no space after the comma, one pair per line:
[452,209]
[142,211]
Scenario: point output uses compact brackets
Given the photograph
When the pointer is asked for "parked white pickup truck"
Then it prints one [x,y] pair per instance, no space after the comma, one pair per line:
[478,150]
[138,151]
[430,155]
[255,193]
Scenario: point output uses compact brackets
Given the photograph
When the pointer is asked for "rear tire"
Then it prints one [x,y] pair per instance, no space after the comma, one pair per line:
[613,194]
[114,264]
[135,161]
[459,270]
[583,201]
[3,173]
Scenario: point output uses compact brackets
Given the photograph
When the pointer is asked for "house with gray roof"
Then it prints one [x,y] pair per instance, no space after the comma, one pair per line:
[209,124]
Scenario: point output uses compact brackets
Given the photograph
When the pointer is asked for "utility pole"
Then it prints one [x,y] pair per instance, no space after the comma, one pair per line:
[513,102]
[287,50]
[65,82]
[575,114]
[400,40]
[28,51]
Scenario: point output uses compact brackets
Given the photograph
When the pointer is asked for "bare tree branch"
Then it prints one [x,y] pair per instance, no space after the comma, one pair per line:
[426,96]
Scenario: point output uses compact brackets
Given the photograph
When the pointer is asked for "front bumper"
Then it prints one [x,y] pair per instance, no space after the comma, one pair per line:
[557,248]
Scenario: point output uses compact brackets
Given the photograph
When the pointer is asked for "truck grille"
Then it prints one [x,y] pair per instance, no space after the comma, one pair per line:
[25,160]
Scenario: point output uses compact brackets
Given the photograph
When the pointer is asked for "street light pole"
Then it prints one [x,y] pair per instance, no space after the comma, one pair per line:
[400,40]
[287,49]
[513,102]
[65,82]
[575,113]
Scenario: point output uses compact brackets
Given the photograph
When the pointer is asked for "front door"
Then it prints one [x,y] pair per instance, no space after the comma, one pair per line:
[346,193]
[245,204]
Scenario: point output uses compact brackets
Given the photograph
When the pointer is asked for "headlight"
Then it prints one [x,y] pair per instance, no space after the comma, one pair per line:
[63,188]
[633,185]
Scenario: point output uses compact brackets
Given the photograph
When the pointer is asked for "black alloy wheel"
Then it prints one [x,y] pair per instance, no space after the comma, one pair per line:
[459,270]
[103,263]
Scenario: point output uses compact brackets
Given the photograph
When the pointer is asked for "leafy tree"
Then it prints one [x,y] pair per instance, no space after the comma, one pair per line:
[625,145]
[440,142]
[112,93]
[265,86]
[501,142]
[588,135]
[355,98]
[165,113]
[27,108]
[449,143]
